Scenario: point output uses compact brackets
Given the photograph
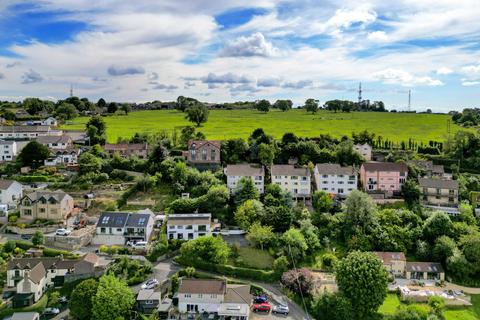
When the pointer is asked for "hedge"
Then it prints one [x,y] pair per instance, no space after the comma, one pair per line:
[33,178]
[49,252]
[232,271]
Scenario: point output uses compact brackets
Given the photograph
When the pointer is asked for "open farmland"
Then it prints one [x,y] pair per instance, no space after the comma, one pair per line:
[225,124]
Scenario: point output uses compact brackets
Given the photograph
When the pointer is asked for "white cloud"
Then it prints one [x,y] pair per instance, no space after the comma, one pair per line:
[396,76]
[378,36]
[444,71]
[471,69]
[124,71]
[31,76]
[470,83]
[254,45]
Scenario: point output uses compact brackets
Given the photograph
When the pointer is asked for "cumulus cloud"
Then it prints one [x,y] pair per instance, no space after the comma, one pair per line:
[397,76]
[471,69]
[228,78]
[13,64]
[377,36]
[254,45]
[123,71]
[470,83]
[444,71]
[161,86]
[269,82]
[189,84]
[31,76]
[243,88]
[153,76]
[297,84]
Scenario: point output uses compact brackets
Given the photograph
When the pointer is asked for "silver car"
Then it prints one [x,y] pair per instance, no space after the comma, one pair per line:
[281,309]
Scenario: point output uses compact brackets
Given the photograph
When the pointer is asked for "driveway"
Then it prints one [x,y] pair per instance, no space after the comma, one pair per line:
[161,271]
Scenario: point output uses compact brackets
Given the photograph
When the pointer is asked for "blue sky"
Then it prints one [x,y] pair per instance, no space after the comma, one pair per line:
[243,50]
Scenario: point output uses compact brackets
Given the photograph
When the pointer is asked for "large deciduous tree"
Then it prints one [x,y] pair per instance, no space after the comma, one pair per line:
[283,105]
[208,249]
[96,130]
[260,236]
[249,212]
[33,154]
[245,190]
[263,105]
[114,299]
[81,299]
[198,114]
[362,279]
[311,105]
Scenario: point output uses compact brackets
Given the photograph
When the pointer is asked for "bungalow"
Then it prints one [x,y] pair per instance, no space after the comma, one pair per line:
[118,228]
[235,172]
[189,226]
[292,179]
[438,192]
[383,177]
[56,142]
[140,150]
[10,192]
[8,150]
[27,132]
[50,205]
[203,153]
[365,150]
[335,179]
[214,297]
[424,271]
[148,301]
[394,262]
[29,278]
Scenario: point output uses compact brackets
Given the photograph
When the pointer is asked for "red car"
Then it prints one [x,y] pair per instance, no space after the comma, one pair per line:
[261,307]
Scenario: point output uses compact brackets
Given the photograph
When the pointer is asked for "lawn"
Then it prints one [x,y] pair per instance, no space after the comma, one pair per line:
[225,124]
[255,258]
[472,313]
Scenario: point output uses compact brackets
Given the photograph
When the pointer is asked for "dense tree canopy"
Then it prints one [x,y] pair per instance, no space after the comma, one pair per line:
[33,155]
[113,299]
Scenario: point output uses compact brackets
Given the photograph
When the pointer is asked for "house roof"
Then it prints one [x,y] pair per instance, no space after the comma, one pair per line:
[238,293]
[113,219]
[334,168]
[54,139]
[12,129]
[25,316]
[388,257]
[202,143]
[244,170]
[125,147]
[202,286]
[138,220]
[48,263]
[289,170]
[148,294]
[385,166]
[90,257]
[189,218]
[424,267]
[7,142]
[58,195]
[437,183]
[5,184]
[37,273]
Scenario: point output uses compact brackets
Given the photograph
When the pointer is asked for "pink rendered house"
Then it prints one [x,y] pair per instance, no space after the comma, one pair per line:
[383,176]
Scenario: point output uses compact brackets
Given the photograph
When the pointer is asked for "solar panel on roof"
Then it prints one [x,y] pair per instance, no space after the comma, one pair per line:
[105,219]
[141,221]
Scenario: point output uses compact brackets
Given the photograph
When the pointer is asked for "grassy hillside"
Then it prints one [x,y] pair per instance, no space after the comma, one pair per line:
[225,124]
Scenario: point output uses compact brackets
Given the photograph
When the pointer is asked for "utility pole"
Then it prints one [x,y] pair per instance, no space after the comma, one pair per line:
[71,90]
[359,93]
[409,100]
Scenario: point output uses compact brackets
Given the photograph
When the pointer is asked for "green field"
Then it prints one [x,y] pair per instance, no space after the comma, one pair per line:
[471,313]
[225,124]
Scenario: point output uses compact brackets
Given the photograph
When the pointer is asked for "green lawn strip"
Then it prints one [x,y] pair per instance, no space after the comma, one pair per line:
[226,124]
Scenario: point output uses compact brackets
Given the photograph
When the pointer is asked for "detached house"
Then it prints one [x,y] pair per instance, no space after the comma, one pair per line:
[203,153]
[189,226]
[425,271]
[148,301]
[50,205]
[10,192]
[292,179]
[56,142]
[8,150]
[140,150]
[117,228]
[438,192]
[235,172]
[383,177]
[215,298]
[335,179]
[394,262]
[29,278]
[430,170]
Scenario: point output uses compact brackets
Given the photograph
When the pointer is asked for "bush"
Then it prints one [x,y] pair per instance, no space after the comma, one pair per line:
[329,260]
[49,252]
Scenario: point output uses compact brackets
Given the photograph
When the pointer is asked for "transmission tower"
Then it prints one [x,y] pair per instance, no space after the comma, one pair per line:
[359,93]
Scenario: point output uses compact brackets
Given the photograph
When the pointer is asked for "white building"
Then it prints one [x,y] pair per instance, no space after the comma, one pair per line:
[189,226]
[365,150]
[335,179]
[10,192]
[235,172]
[50,121]
[58,157]
[228,301]
[117,228]
[56,142]
[8,150]
[294,180]
[27,132]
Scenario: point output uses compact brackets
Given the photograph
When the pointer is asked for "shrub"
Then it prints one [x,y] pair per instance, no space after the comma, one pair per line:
[329,260]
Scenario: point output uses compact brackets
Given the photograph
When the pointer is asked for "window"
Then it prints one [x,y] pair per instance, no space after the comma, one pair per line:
[370,187]
[402,180]
[179,227]
[103,230]
[340,175]
[439,191]
[351,177]
[214,296]
[42,210]
[325,182]
[340,182]
[188,295]
[304,178]
[325,176]
[340,190]
[294,177]
[213,154]
[193,154]
[119,229]
[27,212]
[204,154]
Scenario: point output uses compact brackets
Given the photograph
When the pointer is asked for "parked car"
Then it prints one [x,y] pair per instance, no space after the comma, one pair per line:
[261,307]
[260,299]
[281,309]
[139,245]
[51,311]
[63,299]
[26,236]
[150,284]
[63,232]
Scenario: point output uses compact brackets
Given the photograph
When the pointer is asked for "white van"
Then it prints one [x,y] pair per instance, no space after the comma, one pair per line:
[140,245]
